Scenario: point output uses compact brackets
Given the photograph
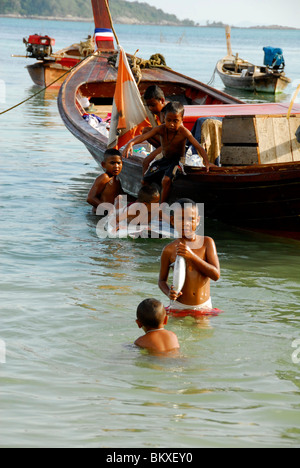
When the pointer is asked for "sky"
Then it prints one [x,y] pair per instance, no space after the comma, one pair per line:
[234,12]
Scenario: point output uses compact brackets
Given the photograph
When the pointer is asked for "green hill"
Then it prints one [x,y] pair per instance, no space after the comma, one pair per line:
[122,11]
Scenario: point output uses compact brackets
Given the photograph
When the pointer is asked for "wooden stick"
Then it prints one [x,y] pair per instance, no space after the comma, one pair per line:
[228,40]
[293,102]
[111,22]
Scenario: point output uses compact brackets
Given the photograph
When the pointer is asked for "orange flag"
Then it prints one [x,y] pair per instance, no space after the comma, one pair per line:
[129,115]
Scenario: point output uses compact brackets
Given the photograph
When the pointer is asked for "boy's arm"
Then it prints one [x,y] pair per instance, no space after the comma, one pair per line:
[163,276]
[164,272]
[199,148]
[139,342]
[139,139]
[209,267]
[96,190]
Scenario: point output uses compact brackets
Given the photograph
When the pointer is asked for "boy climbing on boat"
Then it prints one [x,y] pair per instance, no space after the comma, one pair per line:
[107,186]
[173,137]
[200,254]
[152,317]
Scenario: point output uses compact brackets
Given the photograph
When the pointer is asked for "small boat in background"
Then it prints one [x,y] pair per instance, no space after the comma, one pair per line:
[51,66]
[241,74]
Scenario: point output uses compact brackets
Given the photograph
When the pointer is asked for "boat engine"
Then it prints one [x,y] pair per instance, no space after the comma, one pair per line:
[39,47]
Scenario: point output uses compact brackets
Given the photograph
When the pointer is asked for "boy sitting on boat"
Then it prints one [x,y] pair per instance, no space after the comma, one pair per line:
[155,101]
[200,254]
[173,137]
[152,317]
[107,186]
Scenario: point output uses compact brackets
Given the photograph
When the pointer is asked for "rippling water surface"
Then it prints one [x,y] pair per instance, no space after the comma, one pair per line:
[72,376]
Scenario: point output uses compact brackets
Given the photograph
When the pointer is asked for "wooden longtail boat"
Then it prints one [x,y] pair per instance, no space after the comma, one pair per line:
[253,194]
[237,73]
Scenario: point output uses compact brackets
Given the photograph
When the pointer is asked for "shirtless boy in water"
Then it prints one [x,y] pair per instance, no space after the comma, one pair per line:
[152,317]
[107,186]
[201,260]
[173,137]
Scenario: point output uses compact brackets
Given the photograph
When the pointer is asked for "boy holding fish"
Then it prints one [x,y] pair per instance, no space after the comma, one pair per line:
[200,265]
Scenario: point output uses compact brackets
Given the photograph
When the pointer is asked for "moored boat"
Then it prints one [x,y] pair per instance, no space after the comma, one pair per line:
[256,193]
[52,67]
[237,73]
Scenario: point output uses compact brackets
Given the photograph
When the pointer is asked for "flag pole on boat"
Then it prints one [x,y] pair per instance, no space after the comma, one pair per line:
[111,22]
[293,102]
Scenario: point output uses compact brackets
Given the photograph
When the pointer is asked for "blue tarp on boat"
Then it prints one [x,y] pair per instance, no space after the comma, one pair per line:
[274,57]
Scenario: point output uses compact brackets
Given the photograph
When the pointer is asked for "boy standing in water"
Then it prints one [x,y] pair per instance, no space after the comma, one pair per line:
[173,137]
[107,186]
[202,263]
[152,317]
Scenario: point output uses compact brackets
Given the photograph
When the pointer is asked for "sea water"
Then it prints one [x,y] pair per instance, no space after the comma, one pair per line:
[69,372]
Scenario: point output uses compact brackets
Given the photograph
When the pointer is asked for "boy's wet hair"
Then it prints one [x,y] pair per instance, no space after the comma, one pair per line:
[186,201]
[154,92]
[151,313]
[111,152]
[174,107]
[148,192]
[182,204]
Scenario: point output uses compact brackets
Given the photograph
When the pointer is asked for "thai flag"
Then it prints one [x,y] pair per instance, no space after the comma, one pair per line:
[103,35]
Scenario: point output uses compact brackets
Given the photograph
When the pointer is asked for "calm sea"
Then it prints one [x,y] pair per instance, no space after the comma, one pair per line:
[72,376]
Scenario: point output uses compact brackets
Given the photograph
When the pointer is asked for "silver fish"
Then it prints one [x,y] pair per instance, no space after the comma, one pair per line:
[179,274]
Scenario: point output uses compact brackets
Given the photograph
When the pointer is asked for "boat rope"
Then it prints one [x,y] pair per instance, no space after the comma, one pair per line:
[212,80]
[48,86]
[293,102]
[137,64]
[111,22]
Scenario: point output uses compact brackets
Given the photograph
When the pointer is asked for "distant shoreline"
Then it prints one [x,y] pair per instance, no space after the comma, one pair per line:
[138,23]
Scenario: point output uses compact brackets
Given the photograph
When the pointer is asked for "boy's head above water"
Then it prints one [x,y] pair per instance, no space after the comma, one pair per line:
[149,194]
[186,218]
[112,163]
[155,99]
[151,314]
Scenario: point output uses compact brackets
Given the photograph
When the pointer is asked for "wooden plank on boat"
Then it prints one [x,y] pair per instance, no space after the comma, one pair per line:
[274,136]
[294,125]
[238,130]
[266,140]
[275,139]
[239,155]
